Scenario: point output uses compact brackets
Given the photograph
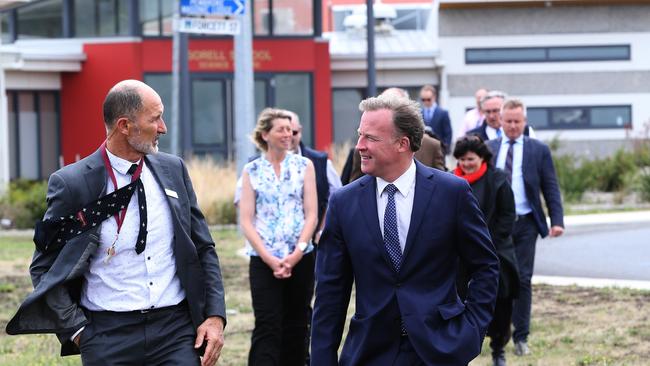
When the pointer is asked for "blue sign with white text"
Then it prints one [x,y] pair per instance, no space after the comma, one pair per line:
[212,7]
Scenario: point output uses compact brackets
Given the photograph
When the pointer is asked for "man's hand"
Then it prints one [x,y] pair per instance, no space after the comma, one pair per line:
[211,331]
[77,339]
[556,231]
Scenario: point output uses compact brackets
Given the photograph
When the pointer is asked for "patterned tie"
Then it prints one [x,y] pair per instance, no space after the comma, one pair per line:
[142,207]
[391,234]
[508,166]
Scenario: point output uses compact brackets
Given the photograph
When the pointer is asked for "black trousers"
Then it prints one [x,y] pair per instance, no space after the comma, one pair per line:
[499,329]
[160,337]
[281,309]
[524,237]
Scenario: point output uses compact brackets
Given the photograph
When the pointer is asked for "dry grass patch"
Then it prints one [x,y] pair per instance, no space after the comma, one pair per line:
[583,326]
[215,186]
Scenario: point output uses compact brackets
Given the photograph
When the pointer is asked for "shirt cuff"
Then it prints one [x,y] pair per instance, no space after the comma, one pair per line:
[77,333]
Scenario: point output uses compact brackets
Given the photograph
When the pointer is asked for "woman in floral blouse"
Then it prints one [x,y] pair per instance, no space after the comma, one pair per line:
[278,215]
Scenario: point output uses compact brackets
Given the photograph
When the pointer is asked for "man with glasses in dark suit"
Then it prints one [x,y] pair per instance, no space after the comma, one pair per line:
[434,116]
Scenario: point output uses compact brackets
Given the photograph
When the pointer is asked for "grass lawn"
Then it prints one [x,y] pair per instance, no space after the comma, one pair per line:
[571,325]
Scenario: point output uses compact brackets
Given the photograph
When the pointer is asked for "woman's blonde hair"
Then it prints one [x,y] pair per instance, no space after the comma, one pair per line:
[265,124]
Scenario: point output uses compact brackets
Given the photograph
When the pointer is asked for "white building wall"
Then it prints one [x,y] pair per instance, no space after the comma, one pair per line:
[609,88]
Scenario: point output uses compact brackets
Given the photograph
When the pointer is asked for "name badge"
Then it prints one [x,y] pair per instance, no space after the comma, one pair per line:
[171,193]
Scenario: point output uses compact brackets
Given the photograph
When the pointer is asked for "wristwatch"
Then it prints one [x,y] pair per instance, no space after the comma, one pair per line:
[302,246]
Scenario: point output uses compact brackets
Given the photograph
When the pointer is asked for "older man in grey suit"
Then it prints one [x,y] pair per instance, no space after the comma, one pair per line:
[125,270]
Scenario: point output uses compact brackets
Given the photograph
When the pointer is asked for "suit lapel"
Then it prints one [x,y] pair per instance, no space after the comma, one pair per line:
[424,187]
[368,207]
[163,176]
[526,158]
[95,175]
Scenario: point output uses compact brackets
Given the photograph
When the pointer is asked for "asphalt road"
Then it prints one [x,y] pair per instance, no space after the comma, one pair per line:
[620,251]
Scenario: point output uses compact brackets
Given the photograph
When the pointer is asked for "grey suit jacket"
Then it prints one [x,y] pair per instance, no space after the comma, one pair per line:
[53,306]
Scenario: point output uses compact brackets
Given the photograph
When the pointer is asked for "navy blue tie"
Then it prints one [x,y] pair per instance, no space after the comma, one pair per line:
[508,166]
[391,233]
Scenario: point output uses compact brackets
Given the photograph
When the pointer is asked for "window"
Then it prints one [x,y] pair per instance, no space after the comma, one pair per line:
[33,134]
[561,118]
[208,112]
[162,84]
[156,17]
[547,54]
[4,27]
[42,19]
[293,92]
[346,114]
[283,17]
[101,18]
[212,108]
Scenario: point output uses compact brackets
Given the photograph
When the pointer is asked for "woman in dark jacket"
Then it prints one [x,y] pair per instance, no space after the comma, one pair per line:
[492,190]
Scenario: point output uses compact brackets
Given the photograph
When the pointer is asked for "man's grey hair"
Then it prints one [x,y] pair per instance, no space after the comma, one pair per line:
[513,103]
[407,118]
[398,92]
[123,100]
[493,94]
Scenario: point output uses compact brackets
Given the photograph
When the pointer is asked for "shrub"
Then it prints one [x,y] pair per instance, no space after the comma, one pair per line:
[611,174]
[24,203]
[644,184]
[571,177]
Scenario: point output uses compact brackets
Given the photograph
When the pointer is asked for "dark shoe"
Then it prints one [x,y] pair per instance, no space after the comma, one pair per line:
[498,358]
[521,348]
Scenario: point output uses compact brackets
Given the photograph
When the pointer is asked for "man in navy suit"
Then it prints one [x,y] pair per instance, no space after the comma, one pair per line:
[530,167]
[434,116]
[399,233]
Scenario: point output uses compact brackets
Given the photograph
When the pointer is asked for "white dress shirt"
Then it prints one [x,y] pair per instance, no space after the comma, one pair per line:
[493,133]
[522,206]
[403,202]
[130,281]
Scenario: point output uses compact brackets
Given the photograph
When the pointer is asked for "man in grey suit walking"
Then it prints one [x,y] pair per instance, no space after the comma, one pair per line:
[125,270]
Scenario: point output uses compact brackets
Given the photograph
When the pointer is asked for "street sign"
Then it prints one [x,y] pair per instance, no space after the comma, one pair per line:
[212,7]
[209,26]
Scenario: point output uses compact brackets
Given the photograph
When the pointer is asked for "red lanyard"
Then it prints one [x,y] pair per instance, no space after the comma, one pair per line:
[119,217]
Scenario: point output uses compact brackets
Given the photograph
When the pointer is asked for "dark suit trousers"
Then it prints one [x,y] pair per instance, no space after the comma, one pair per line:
[524,237]
[159,337]
[281,310]
[499,329]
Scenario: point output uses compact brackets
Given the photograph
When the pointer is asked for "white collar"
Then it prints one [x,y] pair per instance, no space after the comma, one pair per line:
[119,164]
[403,183]
[518,140]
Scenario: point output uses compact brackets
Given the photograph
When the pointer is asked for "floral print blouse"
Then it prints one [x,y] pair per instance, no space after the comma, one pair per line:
[279,214]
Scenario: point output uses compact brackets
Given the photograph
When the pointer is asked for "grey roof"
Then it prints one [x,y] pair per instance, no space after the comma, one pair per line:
[397,44]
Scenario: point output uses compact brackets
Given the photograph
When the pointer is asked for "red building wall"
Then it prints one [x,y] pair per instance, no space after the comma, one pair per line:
[82,93]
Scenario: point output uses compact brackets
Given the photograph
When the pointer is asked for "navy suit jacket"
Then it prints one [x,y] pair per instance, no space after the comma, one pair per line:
[539,175]
[322,184]
[446,225]
[440,124]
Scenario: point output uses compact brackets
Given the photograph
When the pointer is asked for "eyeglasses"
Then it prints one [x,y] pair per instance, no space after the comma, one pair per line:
[295,132]
[426,99]
[490,111]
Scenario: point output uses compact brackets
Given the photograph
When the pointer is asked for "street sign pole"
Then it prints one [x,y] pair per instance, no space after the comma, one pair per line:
[244,89]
